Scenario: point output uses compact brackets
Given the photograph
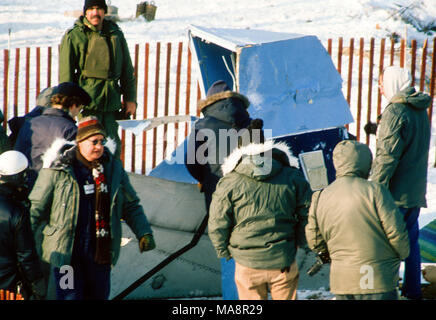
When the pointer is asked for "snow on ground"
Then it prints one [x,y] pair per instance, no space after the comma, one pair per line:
[27,23]
[43,22]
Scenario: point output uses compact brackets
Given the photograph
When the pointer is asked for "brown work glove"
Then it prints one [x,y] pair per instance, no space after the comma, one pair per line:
[370,128]
[146,243]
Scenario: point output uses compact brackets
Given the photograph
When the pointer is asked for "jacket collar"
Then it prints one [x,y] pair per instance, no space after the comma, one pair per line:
[252,149]
[60,151]
[221,96]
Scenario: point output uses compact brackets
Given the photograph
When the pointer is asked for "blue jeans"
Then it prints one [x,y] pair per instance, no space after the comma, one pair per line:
[412,272]
[91,281]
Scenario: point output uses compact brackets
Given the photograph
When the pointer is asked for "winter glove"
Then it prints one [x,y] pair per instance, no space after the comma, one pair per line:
[429,273]
[370,128]
[146,243]
[39,289]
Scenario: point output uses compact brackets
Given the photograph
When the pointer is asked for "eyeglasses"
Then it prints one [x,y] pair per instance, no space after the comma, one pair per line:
[97,141]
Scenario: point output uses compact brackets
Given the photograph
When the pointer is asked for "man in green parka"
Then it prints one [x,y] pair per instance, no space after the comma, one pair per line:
[79,199]
[357,223]
[257,217]
[94,54]
[401,160]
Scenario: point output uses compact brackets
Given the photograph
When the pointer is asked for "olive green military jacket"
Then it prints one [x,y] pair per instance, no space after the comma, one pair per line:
[99,62]
[403,139]
[55,207]
[259,208]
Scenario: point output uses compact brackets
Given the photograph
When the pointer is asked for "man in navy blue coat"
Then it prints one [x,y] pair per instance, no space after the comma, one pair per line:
[38,134]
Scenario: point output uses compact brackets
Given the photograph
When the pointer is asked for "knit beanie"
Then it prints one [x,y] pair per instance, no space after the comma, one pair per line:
[91,3]
[88,127]
[216,87]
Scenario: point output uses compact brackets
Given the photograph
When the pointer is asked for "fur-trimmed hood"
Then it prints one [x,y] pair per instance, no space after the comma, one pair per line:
[221,96]
[60,149]
[280,151]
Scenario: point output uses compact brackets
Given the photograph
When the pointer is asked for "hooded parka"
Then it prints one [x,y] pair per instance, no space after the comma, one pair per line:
[55,205]
[357,221]
[38,133]
[99,62]
[259,209]
[403,140]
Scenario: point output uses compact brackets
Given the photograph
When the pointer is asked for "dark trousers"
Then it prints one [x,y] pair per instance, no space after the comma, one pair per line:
[91,281]
[412,272]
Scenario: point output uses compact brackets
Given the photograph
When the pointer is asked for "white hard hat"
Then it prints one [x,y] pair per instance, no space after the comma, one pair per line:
[12,162]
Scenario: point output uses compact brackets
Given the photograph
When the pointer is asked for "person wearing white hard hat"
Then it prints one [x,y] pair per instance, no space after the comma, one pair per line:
[19,262]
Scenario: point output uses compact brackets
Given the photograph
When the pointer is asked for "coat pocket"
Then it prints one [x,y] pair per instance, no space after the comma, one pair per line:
[49,230]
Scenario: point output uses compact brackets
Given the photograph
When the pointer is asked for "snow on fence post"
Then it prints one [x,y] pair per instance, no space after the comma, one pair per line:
[188,86]
[16,76]
[370,79]
[145,108]
[27,81]
[402,52]
[359,89]
[49,59]
[413,61]
[177,93]
[350,73]
[5,86]
[156,101]
[38,71]
[380,71]
[392,52]
[166,102]
[340,44]
[423,66]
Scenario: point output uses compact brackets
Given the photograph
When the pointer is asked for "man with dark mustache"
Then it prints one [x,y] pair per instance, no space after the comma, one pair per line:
[95,55]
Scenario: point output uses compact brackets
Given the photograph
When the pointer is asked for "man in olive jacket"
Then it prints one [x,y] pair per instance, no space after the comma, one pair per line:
[257,217]
[358,224]
[401,160]
[79,198]
[94,54]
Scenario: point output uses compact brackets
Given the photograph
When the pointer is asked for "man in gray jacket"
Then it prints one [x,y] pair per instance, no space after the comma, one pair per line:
[401,160]
[357,223]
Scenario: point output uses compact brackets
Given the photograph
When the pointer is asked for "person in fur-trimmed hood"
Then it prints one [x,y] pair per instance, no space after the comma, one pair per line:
[357,224]
[79,198]
[223,110]
[258,215]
